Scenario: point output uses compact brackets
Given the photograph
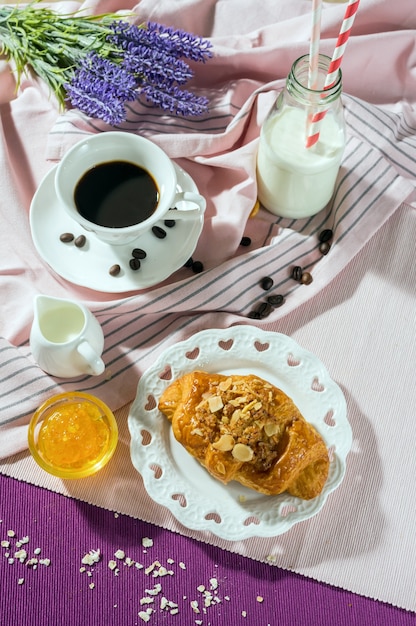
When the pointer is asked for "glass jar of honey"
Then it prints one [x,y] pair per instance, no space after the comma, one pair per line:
[72,435]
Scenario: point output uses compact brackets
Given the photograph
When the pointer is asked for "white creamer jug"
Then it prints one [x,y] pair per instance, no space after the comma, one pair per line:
[295,180]
[66,340]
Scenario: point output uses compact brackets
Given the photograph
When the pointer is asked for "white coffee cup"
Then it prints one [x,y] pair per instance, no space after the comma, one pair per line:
[109,148]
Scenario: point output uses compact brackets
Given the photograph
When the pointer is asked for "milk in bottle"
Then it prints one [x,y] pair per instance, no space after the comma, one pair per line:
[294,180]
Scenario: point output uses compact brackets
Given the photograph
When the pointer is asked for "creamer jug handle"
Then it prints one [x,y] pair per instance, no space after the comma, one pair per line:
[95,364]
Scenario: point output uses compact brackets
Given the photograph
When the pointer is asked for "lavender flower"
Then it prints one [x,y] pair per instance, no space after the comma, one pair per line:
[174,42]
[109,110]
[179,42]
[156,66]
[145,60]
[100,89]
[100,62]
[181,102]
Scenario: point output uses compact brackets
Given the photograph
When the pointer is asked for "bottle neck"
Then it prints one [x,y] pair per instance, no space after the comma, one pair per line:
[298,83]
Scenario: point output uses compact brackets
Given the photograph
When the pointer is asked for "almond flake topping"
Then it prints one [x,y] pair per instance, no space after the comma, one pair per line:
[215,403]
[224,444]
[225,384]
[235,417]
[271,428]
[254,404]
[242,453]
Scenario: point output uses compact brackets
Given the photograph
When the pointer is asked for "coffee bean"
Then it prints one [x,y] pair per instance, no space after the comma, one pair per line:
[189,262]
[264,309]
[134,264]
[324,247]
[297,273]
[169,223]
[80,241]
[254,315]
[66,237]
[114,270]
[325,235]
[276,300]
[159,232]
[197,267]
[267,283]
[245,241]
[138,253]
[306,278]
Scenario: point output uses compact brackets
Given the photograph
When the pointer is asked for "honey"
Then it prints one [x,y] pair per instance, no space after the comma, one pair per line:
[73,436]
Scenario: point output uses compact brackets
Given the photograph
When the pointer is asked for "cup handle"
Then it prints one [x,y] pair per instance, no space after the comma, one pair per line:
[186,214]
[94,363]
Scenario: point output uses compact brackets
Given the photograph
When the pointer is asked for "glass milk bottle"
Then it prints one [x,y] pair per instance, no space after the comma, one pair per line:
[294,180]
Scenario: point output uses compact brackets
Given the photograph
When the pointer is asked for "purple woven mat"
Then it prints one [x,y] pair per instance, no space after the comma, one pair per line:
[144,569]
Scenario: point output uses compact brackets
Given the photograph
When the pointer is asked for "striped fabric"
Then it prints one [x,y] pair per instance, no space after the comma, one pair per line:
[373,181]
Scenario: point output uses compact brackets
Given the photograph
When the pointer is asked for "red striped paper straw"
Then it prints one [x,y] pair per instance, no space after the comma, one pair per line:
[334,66]
[314,43]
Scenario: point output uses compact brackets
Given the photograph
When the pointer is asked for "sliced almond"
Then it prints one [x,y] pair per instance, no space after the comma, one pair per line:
[215,403]
[242,453]
[250,406]
[239,401]
[197,431]
[224,444]
[225,384]
[271,428]
[235,417]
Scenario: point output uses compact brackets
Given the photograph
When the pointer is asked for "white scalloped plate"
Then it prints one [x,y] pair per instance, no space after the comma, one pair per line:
[173,478]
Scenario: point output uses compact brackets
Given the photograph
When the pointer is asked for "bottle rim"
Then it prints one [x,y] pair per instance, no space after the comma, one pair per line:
[300,70]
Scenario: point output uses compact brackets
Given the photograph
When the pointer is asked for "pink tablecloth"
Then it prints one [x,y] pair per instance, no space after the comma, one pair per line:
[357,315]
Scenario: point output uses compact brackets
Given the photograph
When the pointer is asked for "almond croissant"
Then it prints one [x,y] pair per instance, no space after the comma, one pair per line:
[243,428]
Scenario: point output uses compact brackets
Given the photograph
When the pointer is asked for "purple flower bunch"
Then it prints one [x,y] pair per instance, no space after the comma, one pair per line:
[145,60]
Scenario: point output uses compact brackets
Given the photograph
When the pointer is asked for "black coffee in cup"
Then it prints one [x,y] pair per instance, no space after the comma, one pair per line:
[116,194]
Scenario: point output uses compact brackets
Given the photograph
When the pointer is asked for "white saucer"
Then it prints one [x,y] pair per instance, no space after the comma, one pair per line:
[89,266]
